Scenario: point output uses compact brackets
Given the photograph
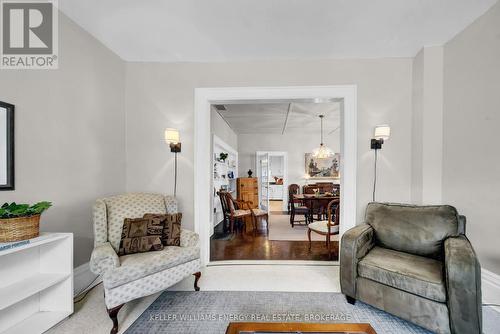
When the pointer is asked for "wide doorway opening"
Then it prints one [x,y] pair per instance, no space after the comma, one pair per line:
[276,168]
[273,168]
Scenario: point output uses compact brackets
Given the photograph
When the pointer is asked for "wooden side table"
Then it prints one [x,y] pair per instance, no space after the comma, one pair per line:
[293,328]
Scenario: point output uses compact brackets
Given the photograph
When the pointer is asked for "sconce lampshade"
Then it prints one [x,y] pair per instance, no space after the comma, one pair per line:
[172,136]
[382,132]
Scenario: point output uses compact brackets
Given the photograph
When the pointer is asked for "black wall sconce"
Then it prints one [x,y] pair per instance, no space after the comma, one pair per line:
[381,135]
[172,138]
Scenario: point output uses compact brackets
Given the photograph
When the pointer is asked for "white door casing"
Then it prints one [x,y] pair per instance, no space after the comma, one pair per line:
[204,97]
[284,156]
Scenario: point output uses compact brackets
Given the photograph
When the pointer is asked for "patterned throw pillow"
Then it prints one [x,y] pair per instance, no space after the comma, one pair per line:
[140,235]
[171,227]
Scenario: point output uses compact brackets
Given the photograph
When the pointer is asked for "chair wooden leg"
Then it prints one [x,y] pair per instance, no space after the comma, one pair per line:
[309,237]
[254,220]
[267,223]
[113,314]
[231,225]
[328,245]
[197,276]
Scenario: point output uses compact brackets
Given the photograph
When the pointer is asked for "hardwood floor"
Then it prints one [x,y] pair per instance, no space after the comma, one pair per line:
[246,246]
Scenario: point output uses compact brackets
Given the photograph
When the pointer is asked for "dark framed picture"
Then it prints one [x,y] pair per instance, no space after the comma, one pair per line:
[6,146]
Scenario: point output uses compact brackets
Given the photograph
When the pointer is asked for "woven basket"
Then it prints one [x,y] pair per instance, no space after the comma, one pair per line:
[22,228]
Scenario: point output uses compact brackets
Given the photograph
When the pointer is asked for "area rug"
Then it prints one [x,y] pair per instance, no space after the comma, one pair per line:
[209,312]
[280,229]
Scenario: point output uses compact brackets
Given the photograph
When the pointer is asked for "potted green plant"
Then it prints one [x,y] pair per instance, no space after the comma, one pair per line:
[21,221]
[223,156]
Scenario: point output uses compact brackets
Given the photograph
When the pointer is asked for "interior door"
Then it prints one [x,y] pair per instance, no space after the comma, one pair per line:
[263,170]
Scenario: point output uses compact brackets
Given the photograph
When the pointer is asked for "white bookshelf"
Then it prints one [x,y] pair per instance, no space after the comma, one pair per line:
[36,284]
[221,175]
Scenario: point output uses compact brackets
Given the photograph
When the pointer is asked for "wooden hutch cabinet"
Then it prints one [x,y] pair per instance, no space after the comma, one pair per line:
[248,190]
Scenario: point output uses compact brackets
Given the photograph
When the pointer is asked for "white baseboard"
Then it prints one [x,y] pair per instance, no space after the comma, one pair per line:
[490,285]
[82,278]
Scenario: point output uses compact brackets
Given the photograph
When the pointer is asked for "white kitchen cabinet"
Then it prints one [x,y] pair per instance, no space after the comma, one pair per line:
[275,191]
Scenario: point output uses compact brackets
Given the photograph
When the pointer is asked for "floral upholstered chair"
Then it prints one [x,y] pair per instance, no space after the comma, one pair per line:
[133,276]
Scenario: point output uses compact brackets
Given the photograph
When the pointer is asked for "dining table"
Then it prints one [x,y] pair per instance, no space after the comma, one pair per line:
[318,201]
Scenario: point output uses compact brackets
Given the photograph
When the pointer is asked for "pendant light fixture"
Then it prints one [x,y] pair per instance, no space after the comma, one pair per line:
[322,152]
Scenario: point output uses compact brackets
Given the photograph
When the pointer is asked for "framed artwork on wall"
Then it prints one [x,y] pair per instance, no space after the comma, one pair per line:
[323,168]
[6,146]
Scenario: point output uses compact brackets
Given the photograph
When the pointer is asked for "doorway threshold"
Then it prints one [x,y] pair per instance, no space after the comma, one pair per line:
[273,263]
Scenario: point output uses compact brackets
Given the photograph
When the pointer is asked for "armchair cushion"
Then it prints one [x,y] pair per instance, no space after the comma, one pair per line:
[419,230]
[463,280]
[322,227]
[258,212]
[241,213]
[136,266]
[141,235]
[103,258]
[415,274]
[171,222]
[132,205]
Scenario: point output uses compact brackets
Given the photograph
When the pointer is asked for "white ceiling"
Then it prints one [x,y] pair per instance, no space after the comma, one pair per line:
[278,118]
[236,30]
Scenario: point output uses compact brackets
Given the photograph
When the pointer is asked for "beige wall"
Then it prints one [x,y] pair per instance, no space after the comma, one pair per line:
[221,129]
[427,126]
[471,159]
[161,95]
[416,127]
[70,133]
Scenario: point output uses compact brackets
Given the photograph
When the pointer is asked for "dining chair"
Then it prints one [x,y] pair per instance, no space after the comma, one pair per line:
[226,212]
[234,210]
[325,187]
[293,189]
[259,215]
[309,189]
[327,227]
[298,208]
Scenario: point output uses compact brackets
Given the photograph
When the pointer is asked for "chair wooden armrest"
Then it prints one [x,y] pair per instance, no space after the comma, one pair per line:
[243,204]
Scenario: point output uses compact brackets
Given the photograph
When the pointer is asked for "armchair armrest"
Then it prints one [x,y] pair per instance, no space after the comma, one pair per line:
[355,244]
[463,285]
[103,258]
[189,238]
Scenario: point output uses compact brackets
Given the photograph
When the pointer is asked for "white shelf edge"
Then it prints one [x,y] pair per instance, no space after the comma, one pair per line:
[16,292]
[50,237]
[38,322]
